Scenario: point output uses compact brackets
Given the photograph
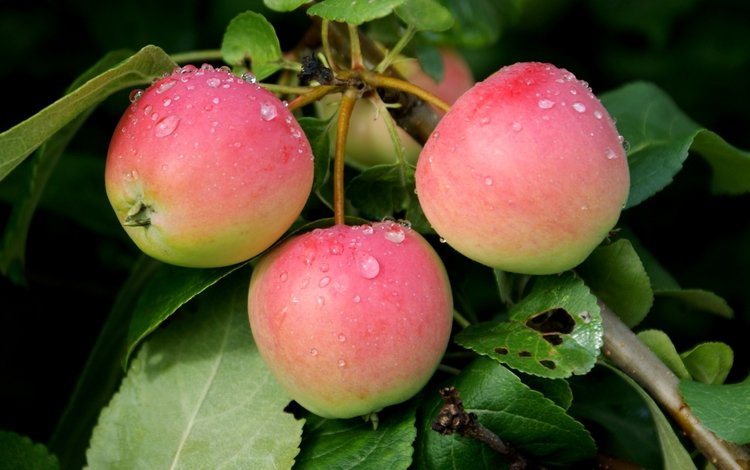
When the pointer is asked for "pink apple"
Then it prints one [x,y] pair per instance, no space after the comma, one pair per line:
[369,142]
[207,169]
[351,319]
[526,172]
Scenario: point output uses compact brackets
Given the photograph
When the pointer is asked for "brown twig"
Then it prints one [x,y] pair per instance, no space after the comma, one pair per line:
[623,348]
[453,419]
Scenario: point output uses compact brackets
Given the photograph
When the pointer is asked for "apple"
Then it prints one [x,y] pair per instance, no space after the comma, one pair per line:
[526,172]
[368,141]
[351,319]
[206,169]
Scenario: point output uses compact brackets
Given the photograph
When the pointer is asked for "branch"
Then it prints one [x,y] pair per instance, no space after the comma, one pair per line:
[634,358]
[454,419]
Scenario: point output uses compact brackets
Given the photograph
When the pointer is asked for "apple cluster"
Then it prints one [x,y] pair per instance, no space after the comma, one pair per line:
[526,173]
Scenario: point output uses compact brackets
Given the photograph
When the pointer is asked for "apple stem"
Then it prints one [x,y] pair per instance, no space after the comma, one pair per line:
[348,100]
[623,348]
[356,51]
[314,94]
[379,80]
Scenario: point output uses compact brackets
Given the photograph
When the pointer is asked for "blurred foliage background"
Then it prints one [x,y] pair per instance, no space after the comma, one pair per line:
[696,50]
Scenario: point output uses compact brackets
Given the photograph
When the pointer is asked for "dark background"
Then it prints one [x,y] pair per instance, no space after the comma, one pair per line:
[698,51]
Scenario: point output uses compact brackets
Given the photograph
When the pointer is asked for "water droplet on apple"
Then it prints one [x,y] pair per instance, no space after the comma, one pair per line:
[341,338]
[313,352]
[367,229]
[394,233]
[336,249]
[267,111]
[165,86]
[167,102]
[249,77]
[134,95]
[321,301]
[166,126]
[484,121]
[610,154]
[213,82]
[546,104]
[488,181]
[367,265]
[324,268]
[579,107]
[443,240]
[147,110]
[341,363]
[215,101]
[324,281]
[516,126]
[283,276]
[598,114]
[356,299]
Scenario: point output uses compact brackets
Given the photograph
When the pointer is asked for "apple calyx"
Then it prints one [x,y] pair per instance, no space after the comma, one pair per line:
[139,215]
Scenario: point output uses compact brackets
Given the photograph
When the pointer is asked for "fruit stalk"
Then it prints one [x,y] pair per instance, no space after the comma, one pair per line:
[348,100]
[629,354]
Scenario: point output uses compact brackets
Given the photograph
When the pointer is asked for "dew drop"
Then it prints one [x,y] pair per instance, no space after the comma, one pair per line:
[165,86]
[367,229]
[213,82]
[341,338]
[341,363]
[579,107]
[484,121]
[336,249]
[324,281]
[488,181]
[215,101]
[249,77]
[516,126]
[546,104]
[356,299]
[295,133]
[598,114]
[610,154]
[324,268]
[585,316]
[313,352]
[367,265]
[394,233]
[267,111]
[167,102]
[166,126]
[134,95]
[148,109]
[283,276]
[443,240]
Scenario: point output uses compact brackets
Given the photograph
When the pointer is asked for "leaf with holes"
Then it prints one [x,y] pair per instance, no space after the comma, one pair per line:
[554,332]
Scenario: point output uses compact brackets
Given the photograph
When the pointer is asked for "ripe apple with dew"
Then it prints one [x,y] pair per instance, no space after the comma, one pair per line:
[207,169]
[351,319]
[526,172]
[369,142]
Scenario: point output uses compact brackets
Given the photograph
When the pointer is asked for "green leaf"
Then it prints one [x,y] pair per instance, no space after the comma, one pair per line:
[19,141]
[731,166]
[659,136]
[354,12]
[658,342]
[554,332]
[102,373]
[284,5]
[425,15]
[657,133]
[249,37]
[38,172]
[724,409]
[198,395]
[170,288]
[616,275]
[20,453]
[674,455]
[699,299]
[318,134]
[477,23]
[382,190]
[557,390]
[520,416]
[709,363]
[354,444]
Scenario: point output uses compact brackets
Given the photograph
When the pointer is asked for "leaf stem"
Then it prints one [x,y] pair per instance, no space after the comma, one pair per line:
[379,80]
[623,348]
[348,100]
[460,319]
[313,95]
[356,50]
[396,50]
